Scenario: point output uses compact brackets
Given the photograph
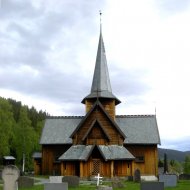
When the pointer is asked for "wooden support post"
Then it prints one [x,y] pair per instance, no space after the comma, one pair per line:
[112,168]
[81,169]
[132,167]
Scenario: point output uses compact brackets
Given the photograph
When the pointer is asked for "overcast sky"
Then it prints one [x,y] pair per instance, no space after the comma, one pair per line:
[48,51]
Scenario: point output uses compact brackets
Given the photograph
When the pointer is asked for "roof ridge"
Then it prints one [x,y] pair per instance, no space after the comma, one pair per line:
[65,117]
[133,116]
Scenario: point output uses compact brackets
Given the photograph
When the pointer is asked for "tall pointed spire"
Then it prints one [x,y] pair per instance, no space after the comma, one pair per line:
[101,80]
[101,86]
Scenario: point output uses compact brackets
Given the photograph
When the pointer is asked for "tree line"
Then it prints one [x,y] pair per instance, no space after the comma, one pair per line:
[20,130]
[177,167]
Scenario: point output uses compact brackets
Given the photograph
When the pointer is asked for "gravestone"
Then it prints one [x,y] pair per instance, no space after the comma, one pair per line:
[55,179]
[73,181]
[152,186]
[170,180]
[10,175]
[137,175]
[25,181]
[103,187]
[116,183]
[56,186]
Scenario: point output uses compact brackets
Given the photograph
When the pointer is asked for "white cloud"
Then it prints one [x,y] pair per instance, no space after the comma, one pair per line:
[48,51]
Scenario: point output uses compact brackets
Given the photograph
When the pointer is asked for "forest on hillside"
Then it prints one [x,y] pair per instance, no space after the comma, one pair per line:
[20,130]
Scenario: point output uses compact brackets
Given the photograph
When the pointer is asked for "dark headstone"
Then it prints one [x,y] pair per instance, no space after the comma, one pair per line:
[137,175]
[130,178]
[116,183]
[184,177]
[25,181]
[56,186]
[152,186]
[73,181]
[170,180]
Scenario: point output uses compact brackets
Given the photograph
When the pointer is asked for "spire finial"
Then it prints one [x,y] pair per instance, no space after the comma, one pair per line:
[100,12]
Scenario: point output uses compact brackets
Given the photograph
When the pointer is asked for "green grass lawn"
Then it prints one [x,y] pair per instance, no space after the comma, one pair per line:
[182,185]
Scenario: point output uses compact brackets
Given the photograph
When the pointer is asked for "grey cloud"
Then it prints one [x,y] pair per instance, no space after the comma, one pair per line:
[18,8]
[129,82]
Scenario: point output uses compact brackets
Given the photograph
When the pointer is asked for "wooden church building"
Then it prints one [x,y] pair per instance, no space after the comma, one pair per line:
[100,141]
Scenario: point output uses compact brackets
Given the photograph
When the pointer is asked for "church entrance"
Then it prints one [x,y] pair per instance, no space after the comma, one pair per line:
[96,166]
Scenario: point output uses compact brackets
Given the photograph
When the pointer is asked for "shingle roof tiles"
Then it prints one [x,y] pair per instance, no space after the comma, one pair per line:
[139,129]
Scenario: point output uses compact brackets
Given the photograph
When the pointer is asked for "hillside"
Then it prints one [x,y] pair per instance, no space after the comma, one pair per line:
[172,154]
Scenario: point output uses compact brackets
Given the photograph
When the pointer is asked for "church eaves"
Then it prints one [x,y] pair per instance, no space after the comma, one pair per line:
[101,86]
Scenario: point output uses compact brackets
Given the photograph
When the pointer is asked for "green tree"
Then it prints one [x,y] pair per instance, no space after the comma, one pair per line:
[176,167]
[186,169]
[24,139]
[6,126]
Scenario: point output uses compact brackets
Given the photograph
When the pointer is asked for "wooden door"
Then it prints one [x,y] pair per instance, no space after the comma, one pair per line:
[96,166]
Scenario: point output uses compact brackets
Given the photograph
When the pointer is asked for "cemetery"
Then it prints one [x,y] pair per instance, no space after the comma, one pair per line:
[11,180]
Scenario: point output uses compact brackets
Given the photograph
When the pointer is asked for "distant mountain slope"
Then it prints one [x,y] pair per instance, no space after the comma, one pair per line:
[173,154]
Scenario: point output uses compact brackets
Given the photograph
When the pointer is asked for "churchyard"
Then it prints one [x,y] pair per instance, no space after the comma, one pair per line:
[182,185]
[11,180]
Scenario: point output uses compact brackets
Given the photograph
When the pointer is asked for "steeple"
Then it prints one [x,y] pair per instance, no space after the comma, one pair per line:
[101,86]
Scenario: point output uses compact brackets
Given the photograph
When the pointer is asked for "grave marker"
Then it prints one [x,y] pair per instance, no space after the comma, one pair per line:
[55,179]
[73,181]
[137,175]
[10,175]
[24,181]
[170,180]
[98,179]
[56,186]
[152,186]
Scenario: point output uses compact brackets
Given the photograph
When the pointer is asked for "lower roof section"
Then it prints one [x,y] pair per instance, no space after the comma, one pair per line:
[115,152]
[109,152]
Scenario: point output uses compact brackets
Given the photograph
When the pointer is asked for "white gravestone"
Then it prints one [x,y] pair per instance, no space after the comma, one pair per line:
[10,175]
[55,179]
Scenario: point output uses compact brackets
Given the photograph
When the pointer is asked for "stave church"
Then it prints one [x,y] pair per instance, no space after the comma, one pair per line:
[100,141]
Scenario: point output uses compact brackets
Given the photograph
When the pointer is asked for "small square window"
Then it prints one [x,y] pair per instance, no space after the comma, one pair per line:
[139,159]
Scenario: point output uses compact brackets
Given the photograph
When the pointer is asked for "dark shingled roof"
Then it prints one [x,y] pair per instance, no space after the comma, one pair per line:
[138,129]
[57,130]
[110,152]
[115,152]
[77,152]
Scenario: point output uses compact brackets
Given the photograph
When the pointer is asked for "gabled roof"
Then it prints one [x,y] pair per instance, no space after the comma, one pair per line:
[77,152]
[115,152]
[101,86]
[91,127]
[110,152]
[138,129]
[98,103]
